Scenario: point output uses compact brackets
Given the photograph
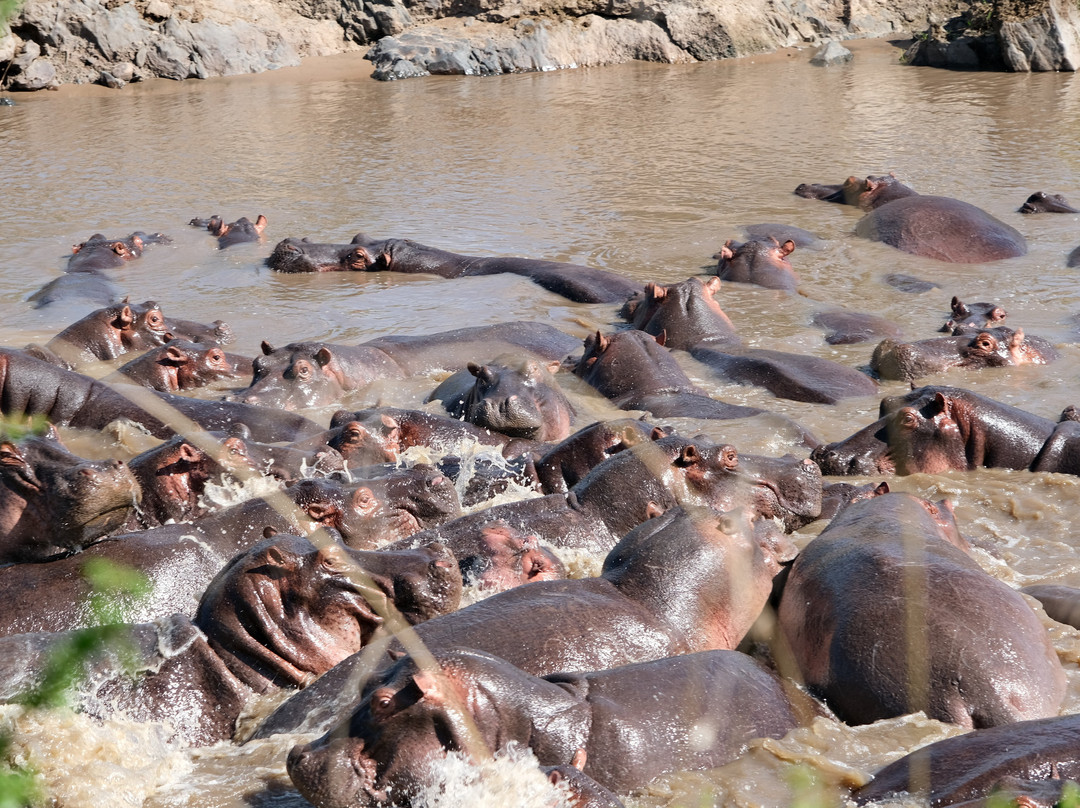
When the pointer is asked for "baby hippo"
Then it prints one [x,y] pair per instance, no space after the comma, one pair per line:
[633,723]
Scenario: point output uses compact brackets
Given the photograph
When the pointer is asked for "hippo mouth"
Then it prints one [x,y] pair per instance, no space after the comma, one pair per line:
[336,774]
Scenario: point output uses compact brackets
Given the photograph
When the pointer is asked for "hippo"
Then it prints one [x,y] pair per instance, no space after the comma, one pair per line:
[1042,202]
[172,478]
[908,284]
[847,327]
[632,723]
[1061,603]
[966,316]
[885,614]
[53,502]
[120,329]
[241,231]
[276,616]
[182,365]
[935,429]
[504,557]
[686,313]
[577,283]
[686,581]
[561,468]
[313,374]
[519,398]
[30,386]
[688,318]
[837,496]
[987,348]
[98,253]
[764,263]
[1074,258]
[637,372]
[929,226]
[970,766]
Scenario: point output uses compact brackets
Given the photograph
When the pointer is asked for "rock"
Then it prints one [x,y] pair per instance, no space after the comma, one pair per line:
[38,75]
[109,80]
[9,46]
[123,71]
[1039,35]
[831,53]
[158,10]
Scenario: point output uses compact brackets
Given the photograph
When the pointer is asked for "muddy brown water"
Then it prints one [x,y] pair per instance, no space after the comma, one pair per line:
[640,169]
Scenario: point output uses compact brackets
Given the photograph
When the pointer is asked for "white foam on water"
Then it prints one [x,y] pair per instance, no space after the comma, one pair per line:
[511,778]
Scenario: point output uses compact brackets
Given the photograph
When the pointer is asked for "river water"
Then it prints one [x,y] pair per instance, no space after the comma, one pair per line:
[641,169]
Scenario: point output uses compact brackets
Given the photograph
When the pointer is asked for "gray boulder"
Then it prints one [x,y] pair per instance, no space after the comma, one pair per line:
[832,53]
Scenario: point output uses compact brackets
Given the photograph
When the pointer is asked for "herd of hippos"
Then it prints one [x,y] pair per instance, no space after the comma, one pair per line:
[344,582]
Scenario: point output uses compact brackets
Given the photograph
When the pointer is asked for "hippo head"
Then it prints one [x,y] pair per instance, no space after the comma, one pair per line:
[302,255]
[60,501]
[964,316]
[686,312]
[1003,347]
[1042,202]
[286,611]
[182,365]
[300,375]
[408,719]
[505,557]
[518,398]
[563,467]
[369,442]
[760,261]
[709,574]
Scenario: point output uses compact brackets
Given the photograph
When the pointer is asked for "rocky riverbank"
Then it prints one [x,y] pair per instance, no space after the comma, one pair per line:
[112,42]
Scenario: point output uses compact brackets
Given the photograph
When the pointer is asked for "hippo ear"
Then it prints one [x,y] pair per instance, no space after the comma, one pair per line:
[657,433]
[189,453]
[473,368]
[1017,339]
[260,224]
[275,562]
[661,338]
[958,308]
[175,356]
[726,252]
[689,455]
[788,247]
[267,348]
[652,510]
[123,319]
[364,501]
[222,230]
[323,356]
[269,532]
[883,488]
[431,688]
[119,247]
[712,285]
[602,342]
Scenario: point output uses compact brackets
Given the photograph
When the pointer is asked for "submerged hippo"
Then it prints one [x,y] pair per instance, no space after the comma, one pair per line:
[630,724]
[761,262]
[182,365]
[987,348]
[1024,758]
[578,283]
[276,616]
[931,226]
[886,614]
[1042,202]
[966,316]
[239,232]
[935,429]
[686,581]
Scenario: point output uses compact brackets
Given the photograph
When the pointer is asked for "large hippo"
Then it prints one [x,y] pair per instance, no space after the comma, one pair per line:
[578,283]
[931,226]
[52,501]
[986,348]
[630,724]
[519,398]
[241,231]
[686,581]
[276,616]
[886,614]
[934,429]
[971,766]
[312,374]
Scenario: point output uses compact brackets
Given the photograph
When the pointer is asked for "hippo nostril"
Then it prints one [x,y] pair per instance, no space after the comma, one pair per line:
[437,481]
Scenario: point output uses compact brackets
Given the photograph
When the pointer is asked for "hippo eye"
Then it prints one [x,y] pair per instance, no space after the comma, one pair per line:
[382,704]
[908,419]
[154,319]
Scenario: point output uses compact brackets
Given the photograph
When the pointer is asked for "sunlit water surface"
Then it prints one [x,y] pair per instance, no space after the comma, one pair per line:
[640,169]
